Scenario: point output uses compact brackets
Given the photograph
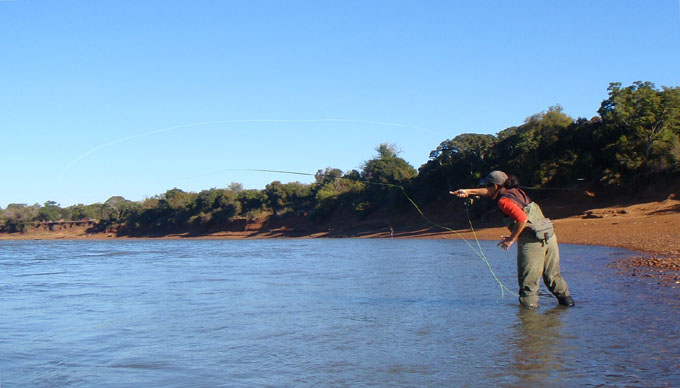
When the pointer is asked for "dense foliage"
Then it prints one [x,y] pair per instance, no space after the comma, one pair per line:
[635,138]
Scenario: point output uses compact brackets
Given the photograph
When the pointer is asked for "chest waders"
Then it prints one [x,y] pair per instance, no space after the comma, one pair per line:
[537,253]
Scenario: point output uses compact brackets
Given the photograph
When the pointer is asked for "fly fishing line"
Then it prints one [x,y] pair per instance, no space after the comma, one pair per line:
[479,251]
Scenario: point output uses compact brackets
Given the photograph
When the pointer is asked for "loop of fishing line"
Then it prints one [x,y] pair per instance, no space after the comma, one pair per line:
[159,131]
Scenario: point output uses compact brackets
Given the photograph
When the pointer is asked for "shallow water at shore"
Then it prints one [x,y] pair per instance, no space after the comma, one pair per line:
[354,313]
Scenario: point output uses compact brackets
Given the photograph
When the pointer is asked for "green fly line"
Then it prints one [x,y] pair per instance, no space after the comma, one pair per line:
[478,251]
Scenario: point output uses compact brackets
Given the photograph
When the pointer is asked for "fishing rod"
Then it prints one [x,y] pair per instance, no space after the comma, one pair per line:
[553,188]
[549,188]
[479,252]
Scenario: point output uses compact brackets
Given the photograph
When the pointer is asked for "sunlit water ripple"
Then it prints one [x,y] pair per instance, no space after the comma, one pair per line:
[320,313]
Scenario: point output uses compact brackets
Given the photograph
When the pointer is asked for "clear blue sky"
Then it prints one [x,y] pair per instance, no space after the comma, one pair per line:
[132,98]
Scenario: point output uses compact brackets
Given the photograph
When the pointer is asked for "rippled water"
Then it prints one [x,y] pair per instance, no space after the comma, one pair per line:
[320,313]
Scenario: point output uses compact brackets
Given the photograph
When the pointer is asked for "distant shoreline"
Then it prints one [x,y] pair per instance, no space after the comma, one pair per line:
[649,228]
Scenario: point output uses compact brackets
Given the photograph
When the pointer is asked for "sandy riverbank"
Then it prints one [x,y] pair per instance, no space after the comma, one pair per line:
[648,228]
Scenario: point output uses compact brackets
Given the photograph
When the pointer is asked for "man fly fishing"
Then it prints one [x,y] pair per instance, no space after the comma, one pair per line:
[537,251]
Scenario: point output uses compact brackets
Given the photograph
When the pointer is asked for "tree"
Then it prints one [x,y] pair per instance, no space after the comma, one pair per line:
[473,146]
[334,191]
[235,187]
[641,123]
[275,196]
[17,215]
[532,149]
[293,195]
[226,205]
[251,200]
[119,207]
[387,167]
[208,200]
[78,212]
[380,175]
[577,155]
[464,156]
[323,177]
[50,211]
[176,206]
[177,200]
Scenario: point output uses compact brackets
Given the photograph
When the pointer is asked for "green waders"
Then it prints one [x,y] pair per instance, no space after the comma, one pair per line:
[538,259]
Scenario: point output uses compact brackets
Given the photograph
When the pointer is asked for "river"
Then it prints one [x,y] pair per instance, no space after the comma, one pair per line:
[321,313]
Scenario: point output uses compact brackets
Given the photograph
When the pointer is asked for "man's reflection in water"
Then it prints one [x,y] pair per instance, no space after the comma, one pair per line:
[539,346]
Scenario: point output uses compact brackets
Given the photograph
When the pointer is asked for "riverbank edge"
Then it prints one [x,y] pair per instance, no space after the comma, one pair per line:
[648,229]
[648,259]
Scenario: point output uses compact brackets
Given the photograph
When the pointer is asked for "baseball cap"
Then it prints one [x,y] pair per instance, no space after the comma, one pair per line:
[495,177]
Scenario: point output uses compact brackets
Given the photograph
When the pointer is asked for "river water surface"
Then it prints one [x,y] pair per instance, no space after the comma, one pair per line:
[321,313]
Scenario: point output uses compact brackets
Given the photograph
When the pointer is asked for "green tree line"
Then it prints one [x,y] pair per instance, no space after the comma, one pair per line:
[634,140]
